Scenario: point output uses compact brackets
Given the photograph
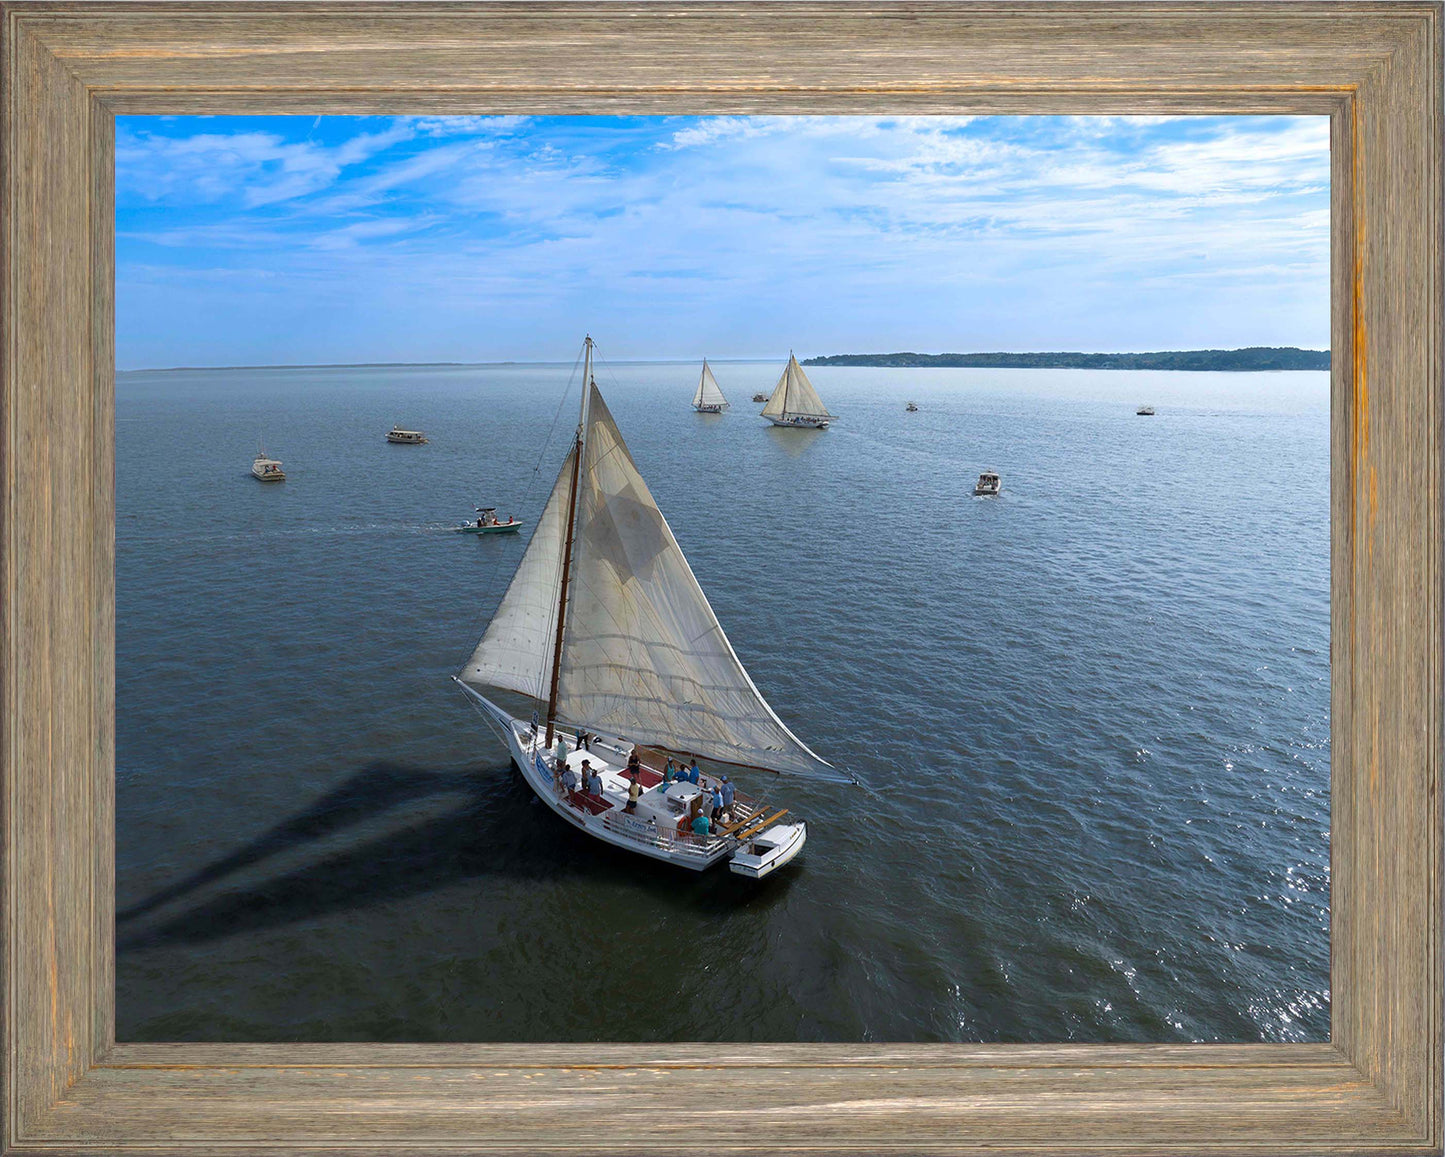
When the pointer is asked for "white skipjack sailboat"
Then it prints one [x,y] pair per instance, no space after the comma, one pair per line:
[709,397]
[605,623]
[794,402]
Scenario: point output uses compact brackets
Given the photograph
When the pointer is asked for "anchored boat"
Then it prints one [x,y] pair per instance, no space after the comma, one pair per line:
[605,625]
[988,483]
[794,402]
[709,397]
[406,437]
[267,469]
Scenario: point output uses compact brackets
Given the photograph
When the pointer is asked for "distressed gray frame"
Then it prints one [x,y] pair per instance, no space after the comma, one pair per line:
[68,68]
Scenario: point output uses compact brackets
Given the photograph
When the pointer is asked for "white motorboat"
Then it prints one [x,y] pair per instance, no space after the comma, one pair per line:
[487,522]
[709,397]
[912,407]
[267,469]
[606,630]
[988,483]
[406,437]
[794,402]
[1145,411]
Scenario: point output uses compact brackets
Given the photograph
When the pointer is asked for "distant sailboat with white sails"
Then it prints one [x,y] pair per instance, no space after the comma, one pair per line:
[605,624]
[709,397]
[794,402]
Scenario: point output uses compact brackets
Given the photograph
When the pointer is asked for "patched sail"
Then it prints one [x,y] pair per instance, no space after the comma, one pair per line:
[708,391]
[794,396]
[643,655]
[516,651]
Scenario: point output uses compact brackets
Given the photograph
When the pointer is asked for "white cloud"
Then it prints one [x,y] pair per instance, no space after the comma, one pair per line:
[822,229]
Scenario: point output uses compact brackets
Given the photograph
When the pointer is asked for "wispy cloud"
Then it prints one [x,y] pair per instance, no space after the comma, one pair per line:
[498,236]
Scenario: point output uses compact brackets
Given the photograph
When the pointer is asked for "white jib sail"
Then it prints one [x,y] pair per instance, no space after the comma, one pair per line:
[708,392]
[643,655]
[516,650]
[794,396]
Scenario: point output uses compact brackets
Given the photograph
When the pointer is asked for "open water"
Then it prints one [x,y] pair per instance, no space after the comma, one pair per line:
[1091,715]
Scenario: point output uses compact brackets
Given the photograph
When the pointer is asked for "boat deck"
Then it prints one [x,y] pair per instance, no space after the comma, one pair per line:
[750,816]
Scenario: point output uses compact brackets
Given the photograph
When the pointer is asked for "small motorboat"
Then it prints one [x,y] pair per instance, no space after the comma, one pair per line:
[267,469]
[1145,411]
[406,437]
[988,483]
[912,407]
[760,397]
[487,522]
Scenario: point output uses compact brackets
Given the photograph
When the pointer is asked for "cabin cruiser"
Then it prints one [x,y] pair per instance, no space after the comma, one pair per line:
[1145,411]
[912,407]
[988,483]
[267,469]
[406,437]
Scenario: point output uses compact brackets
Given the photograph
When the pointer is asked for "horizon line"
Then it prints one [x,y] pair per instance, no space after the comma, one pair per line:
[674,360]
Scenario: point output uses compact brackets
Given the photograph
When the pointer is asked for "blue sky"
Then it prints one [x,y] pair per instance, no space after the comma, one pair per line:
[270,240]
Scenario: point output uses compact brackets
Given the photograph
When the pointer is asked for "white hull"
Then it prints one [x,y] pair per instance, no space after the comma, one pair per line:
[758,854]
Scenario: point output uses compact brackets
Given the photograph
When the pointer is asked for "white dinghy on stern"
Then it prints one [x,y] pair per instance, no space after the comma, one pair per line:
[606,625]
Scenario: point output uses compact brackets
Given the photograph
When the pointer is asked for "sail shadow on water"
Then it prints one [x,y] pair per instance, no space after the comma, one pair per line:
[445,827]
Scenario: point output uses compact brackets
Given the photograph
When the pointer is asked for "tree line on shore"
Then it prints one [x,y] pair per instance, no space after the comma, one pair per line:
[1251,358]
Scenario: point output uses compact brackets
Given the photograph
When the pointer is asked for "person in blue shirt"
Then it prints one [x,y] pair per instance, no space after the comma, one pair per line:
[728,792]
[701,824]
[717,802]
[669,773]
[693,775]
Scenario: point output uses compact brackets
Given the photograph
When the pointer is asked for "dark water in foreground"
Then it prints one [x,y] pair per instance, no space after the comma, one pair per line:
[1091,714]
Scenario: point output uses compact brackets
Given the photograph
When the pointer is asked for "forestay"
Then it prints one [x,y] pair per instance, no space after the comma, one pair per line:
[708,391]
[794,396]
[516,651]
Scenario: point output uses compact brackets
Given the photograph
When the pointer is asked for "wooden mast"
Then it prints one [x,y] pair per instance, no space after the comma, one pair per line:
[567,546]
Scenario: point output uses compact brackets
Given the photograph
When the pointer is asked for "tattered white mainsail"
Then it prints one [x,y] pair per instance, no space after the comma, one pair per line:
[708,391]
[516,651]
[643,655]
[794,396]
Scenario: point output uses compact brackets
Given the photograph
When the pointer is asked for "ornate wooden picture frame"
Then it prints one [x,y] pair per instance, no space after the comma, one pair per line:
[69,68]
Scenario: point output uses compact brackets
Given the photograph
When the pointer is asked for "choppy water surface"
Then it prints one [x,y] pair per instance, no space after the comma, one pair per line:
[1091,714]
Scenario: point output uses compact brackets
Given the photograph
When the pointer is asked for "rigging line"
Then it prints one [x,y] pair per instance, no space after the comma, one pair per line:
[496,566]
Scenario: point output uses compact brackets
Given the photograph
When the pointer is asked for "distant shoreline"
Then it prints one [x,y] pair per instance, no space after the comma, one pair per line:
[1253,358]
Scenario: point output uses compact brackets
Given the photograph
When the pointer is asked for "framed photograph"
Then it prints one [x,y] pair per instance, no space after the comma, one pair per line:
[125,1027]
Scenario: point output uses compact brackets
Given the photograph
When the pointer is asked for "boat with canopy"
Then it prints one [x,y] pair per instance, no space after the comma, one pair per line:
[487,522]
[709,397]
[605,628]
[794,402]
